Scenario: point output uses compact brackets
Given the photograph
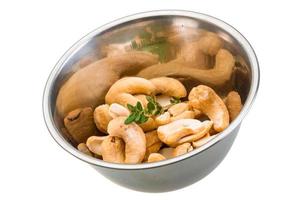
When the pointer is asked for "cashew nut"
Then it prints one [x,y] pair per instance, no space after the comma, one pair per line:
[169,86]
[178,109]
[182,131]
[185,115]
[205,99]
[80,124]
[88,86]
[123,90]
[132,135]
[142,98]
[94,144]
[218,75]
[163,119]
[102,117]
[182,149]
[153,143]
[234,104]
[112,149]
[116,110]
[149,125]
[155,157]
[203,140]
[84,149]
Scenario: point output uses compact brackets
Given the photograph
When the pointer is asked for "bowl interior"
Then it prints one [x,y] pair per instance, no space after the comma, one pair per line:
[90,48]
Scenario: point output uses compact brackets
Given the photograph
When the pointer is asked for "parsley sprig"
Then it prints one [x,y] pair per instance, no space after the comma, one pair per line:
[140,115]
[175,100]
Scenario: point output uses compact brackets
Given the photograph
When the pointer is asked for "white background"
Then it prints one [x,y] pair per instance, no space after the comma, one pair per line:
[263,162]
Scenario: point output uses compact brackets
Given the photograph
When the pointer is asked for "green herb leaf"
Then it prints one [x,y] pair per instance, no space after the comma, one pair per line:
[130,118]
[175,100]
[131,107]
[144,119]
[139,106]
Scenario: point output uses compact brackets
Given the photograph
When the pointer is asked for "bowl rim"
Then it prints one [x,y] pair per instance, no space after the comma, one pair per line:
[254,66]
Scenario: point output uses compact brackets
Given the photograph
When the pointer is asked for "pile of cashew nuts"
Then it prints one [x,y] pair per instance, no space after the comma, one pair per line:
[93,102]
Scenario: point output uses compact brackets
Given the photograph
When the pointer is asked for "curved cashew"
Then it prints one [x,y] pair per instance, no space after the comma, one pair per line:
[149,125]
[93,143]
[112,149]
[88,86]
[116,110]
[182,149]
[123,90]
[203,140]
[102,117]
[155,157]
[182,131]
[205,99]
[80,124]
[132,135]
[218,75]
[153,143]
[84,149]
[169,86]
[163,119]
[234,104]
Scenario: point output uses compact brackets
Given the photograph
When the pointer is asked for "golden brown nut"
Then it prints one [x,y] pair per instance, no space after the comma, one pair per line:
[93,143]
[132,135]
[163,119]
[205,99]
[167,152]
[234,104]
[178,108]
[113,149]
[80,124]
[155,157]
[123,90]
[116,110]
[169,86]
[185,115]
[153,143]
[149,125]
[84,149]
[102,117]
[182,131]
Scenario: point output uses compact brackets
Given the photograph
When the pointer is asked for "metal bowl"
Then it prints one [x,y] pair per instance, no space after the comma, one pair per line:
[180,171]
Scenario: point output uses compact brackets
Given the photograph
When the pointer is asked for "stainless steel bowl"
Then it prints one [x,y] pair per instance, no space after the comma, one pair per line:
[174,173]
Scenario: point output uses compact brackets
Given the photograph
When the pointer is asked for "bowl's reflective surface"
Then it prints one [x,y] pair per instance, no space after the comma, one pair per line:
[90,48]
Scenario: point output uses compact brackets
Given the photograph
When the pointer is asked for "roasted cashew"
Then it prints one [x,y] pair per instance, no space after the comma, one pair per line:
[116,110]
[185,115]
[123,90]
[142,98]
[182,131]
[205,99]
[102,117]
[218,75]
[169,86]
[182,149]
[149,125]
[153,143]
[132,135]
[88,86]
[155,157]
[94,144]
[163,119]
[112,149]
[203,140]
[234,104]
[84,149]
[80,124]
